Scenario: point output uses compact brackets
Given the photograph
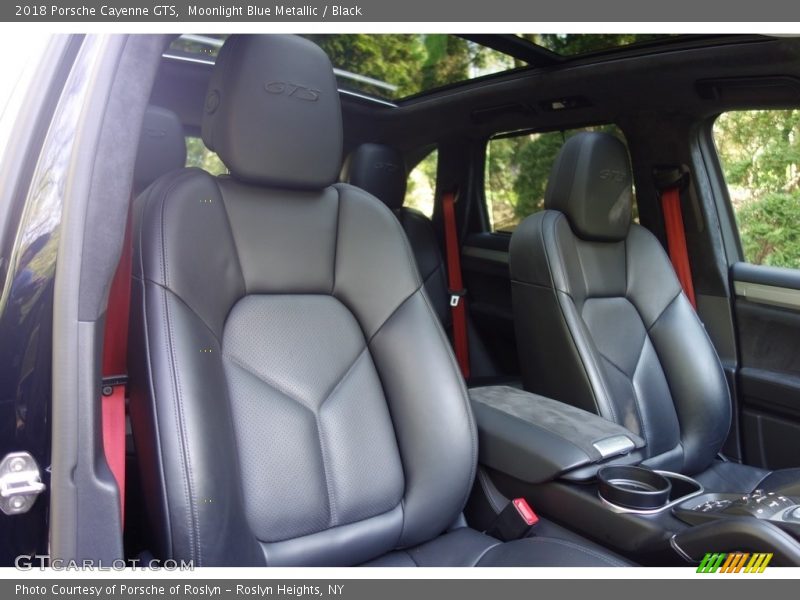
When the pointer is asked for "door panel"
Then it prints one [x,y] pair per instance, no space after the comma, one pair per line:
[767,308]
[484,262]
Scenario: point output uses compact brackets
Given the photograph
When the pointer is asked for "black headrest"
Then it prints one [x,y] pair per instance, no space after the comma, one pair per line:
[379,170]
[591,183]
[162,147]
[272,112]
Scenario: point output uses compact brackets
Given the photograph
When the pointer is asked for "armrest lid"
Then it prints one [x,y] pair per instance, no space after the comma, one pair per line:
[534,438]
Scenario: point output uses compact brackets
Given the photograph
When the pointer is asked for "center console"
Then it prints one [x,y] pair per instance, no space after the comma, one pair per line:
[584,472]
[783,511]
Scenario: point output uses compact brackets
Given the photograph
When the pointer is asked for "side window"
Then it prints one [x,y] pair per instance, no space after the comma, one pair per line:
[422,185]
[197,155]
[516,172]
[760,155]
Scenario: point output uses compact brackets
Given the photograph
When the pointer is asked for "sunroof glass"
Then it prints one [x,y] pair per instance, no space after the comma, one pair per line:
[573,44]
[389,66]
[396,66]
[399,65]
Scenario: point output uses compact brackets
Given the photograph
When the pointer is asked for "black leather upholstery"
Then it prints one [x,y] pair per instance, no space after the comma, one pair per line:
[602,322]
[267,125]
[591,184]
[162,147]
[294,399]
[552,547]
[381,171]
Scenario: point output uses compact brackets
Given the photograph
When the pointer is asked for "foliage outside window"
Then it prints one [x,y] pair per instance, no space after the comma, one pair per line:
[760,153]
[516,173]
[422,185]
[197,155]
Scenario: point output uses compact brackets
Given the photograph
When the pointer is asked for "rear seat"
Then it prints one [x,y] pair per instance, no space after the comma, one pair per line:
[162,147]
[381,171]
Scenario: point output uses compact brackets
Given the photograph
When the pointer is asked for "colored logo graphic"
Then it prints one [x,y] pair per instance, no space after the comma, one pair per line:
[734,562]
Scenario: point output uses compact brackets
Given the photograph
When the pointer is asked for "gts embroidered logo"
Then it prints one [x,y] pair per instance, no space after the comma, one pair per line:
[152,132]
[612,175]
[292,90]
[386,166]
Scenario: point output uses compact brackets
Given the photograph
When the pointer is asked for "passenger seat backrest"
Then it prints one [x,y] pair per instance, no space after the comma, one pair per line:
[602,322]
[295,401]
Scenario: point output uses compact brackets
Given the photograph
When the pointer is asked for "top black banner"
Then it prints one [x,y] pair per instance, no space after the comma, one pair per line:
[459,11]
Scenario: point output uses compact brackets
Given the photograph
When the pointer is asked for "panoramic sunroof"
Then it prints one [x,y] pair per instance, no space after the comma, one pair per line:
[573,44]
[396,66]
[388,66]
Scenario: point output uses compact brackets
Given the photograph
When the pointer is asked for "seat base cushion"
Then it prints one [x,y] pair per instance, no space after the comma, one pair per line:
[735,478]
[551,546]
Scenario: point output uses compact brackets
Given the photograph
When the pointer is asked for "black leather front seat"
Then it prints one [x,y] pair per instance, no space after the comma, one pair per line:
[294,399]
[602,322]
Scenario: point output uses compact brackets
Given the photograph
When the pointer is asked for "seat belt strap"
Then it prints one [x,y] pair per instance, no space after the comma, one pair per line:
[676,238]
[455,283]
[115,367]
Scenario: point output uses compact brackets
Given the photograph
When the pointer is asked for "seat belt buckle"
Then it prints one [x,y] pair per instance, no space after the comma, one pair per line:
[456,296]
[514,522]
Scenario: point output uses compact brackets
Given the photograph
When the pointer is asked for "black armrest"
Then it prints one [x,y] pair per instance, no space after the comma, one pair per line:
[535,439]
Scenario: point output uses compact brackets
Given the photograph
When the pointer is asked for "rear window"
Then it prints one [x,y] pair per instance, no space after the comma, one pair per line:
[421,186]
[197,155]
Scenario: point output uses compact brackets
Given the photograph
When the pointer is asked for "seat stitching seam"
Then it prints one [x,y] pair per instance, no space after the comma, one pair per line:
[394,311]
[569,331]
[645,428]
[230,232]
[590,358]
[464,393]
[194,534]
[332,513]
[180,425]
[344,376]
[661,314]
[336,240]
[433,272]
[396,223]
[338,380]
[188,306]
[137,245]
[477,561]
[269,384]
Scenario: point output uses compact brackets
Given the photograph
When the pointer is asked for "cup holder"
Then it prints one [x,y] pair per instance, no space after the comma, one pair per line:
[634,488]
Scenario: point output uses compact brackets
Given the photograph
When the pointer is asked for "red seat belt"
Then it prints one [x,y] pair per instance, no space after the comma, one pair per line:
[115,367]
[455,283]
[676,239]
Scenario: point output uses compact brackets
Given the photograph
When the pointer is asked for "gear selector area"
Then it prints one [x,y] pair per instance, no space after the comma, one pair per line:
[781,510]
